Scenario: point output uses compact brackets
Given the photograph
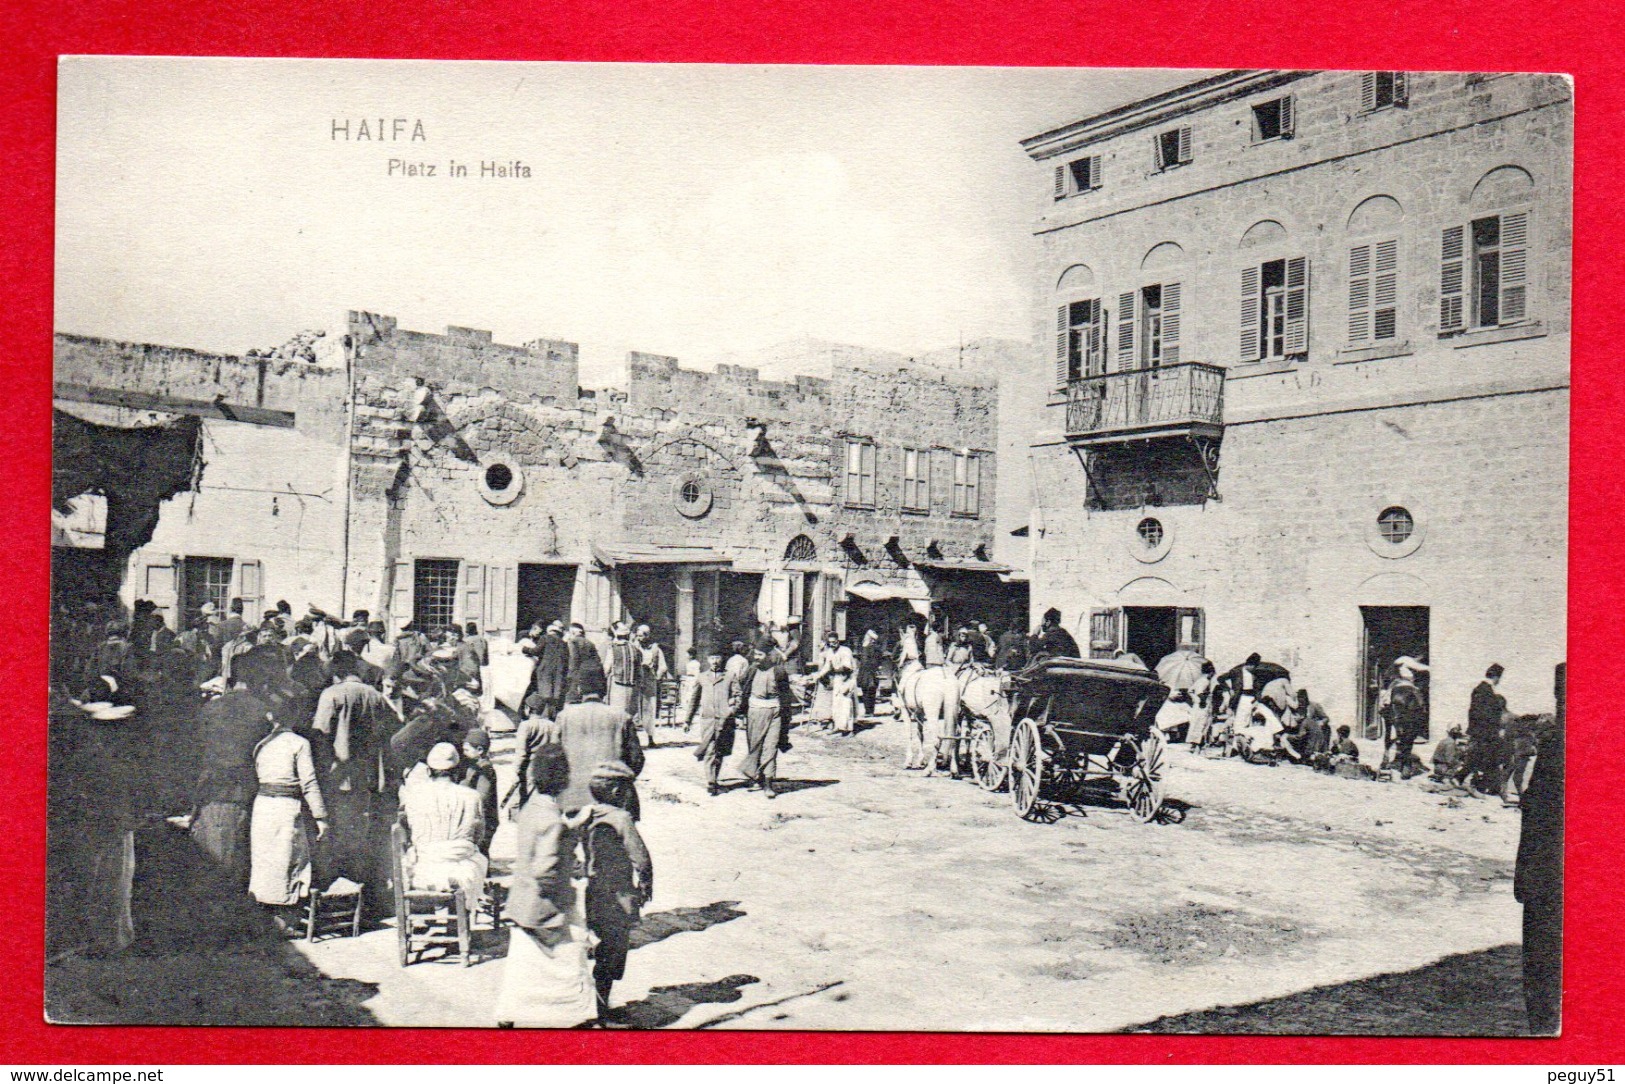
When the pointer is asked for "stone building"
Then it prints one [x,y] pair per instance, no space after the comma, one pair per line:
[1306,337]
[450,478]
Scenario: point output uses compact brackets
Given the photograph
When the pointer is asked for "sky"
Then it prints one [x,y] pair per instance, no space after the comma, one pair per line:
[700,211]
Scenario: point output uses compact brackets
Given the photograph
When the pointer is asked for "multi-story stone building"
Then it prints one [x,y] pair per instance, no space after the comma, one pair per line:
[1307,340]
[451,478]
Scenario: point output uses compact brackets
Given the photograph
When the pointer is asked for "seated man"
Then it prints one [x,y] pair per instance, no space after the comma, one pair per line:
[1344,748]
[447,823]
[1450,759]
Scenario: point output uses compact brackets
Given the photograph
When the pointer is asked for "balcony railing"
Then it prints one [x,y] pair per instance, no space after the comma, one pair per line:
[1172,400]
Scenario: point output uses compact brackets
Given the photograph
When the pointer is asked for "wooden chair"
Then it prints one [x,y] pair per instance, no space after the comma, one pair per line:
[334,912]
[424,918]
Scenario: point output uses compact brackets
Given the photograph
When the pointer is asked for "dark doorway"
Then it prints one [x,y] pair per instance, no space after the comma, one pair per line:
[649,597]
[1388,633]
[737,596]
[545,593]
[79,576]
[1152,633]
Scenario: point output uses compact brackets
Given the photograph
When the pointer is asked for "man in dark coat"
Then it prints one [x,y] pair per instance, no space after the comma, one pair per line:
[582,664]
[590,733]
[1407,717]
[1054,640]
[620,874]
[767,707]
[1484,752]
[547,681]
[1538,876]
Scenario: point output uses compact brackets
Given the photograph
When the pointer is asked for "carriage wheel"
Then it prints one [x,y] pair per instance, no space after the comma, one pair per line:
[1144,792]
[984,767]
[1026,767]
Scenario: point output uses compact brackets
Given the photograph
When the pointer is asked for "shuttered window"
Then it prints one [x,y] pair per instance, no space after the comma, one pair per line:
[1080,341]
[860,474]
[1382,90]
[1452,278]
[1171,148]
[1158,324]
[1273,119]
[1078,175]
[1275,309]
[1500,268]
[967,484]
[1373,292]
[916,480]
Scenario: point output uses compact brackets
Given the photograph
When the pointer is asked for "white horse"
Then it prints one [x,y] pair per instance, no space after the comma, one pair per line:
[930,701]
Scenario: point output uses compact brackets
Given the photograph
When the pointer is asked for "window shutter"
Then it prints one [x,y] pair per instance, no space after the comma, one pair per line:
[1368,91]
[1452,279]
[1184,144]
[1297,305]
[1095,176]
[160,581]
[1286,117]
[1060,347]
[1401,89]
[1360,293]
[973,485]
[1251,313]
[1385,291]
[1192,633]
[1514,266]
[249,578]
[1104,632]
[1125,332]
[1060,182]
[1170,322]
[1157,162]
[470,592]
[400,596]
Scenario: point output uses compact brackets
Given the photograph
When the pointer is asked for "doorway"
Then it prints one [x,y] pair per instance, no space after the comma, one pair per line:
[545,593]
[738,596]
[649,597]
[1152,632]
[1387,633]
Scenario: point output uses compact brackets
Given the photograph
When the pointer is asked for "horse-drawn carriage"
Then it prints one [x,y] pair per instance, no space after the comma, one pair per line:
[1081,728]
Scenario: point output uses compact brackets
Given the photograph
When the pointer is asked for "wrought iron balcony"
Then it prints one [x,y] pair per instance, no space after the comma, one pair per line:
[1184,400]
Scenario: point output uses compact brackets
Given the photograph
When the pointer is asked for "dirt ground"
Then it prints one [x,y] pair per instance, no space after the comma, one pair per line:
[868,897]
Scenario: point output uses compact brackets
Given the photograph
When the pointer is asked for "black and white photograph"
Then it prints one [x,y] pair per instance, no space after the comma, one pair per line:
[808,548]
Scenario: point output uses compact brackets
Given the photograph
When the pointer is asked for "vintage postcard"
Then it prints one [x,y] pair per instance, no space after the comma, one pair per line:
[681,546]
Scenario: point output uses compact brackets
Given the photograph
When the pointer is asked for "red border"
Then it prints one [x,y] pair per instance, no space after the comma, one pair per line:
[1579,37]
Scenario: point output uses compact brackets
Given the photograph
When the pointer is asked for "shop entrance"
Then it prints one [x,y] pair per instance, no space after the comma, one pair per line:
[649,597]
[1152,632]
[545,593]
[1388,632]
[738,595]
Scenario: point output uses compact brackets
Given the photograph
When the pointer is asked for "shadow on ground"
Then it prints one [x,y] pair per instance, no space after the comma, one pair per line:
[666,1005]
[663,924]
[1473,994]
[204,954]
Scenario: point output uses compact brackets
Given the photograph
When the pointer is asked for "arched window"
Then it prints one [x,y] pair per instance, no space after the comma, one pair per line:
[1373,272]
[1080,329]
[1274,296]
[801,548]
[1485,269]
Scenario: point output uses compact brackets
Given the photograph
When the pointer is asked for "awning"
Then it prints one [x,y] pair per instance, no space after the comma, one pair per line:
[617,555]
[878,592]
[953,564]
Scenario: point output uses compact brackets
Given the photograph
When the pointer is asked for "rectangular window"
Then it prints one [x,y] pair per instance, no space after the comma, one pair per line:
[1382,90]
[206,579]
[1151,327]
[1273,119]
[434,593]
[1172,148]
[1078,175]
[1500,269]
[860,474]
[1275,310]
[1374,292]
[967,484]
[1085,339]
[916,480]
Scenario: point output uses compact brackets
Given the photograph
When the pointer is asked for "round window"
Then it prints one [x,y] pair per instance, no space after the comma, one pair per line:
[692,495]
[501,480]
[1395,525]
[1150,532]
[498,477]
